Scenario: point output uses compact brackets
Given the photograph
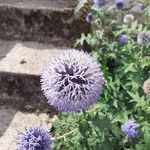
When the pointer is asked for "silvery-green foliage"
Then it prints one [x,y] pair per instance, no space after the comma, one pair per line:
[125,68]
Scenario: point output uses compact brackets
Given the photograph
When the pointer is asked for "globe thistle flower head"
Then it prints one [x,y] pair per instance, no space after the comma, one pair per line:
[89,17]
[34,138]
[72,81]
[146,87]
[123,39]
[144,38]
[119,4]
[130,129]
[128,19]
[100,2]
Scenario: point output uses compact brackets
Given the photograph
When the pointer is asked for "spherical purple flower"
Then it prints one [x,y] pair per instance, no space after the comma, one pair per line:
[144,38]
[100,2]
[119,4]
[34,138]
[89,17]
[72,81]
[130,129]
[123,39]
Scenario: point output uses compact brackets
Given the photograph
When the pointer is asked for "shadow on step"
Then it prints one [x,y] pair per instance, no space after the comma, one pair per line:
[22,93]
[6,116]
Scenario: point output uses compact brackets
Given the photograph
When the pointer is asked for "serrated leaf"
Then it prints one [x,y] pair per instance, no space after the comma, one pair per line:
[130,68]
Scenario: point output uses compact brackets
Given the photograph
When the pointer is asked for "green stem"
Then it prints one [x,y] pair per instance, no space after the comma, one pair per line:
[65,135]
[142,52]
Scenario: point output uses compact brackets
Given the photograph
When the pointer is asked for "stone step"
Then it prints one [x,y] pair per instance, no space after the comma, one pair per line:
[39,20]
[21,64]
[14,121]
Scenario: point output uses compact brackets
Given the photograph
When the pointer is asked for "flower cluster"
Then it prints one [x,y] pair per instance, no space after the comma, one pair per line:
[100,2]
[34,138]
[130,129]
[72,81]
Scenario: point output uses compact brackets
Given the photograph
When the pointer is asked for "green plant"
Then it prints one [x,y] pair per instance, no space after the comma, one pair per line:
[125,68]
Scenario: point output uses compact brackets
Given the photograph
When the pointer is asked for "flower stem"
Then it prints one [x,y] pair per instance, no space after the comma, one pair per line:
[66,134]
[142,52]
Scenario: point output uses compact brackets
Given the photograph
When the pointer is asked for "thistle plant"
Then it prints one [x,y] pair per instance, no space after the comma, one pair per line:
[34,138]
[144,38]
[130,129]
[89,17]
[119,4]
[123,39]
[125,65]
[72,81]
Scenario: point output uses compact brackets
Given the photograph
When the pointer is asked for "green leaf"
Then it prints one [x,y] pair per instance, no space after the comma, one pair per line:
[130,67]
[147,137]
[101,122]
[134,25]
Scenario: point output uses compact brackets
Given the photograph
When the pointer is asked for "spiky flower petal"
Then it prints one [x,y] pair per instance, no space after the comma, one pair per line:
[119,4]
[144,38]
[130,129]
[100,2]
[89,17]
[146,87]
[128,19]
[72,81]
[34,138]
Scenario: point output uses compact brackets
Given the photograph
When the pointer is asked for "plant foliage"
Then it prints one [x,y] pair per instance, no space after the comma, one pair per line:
[125,68]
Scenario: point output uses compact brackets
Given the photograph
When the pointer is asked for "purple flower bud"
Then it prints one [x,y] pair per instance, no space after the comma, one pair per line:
[130,129]
[119,4]
[100,2]
[89,17]
[34,139]
[123,39]
[72,81]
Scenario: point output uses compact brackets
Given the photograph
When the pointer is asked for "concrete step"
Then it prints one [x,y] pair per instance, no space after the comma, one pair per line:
[14,121]
[39,20]
[21,64]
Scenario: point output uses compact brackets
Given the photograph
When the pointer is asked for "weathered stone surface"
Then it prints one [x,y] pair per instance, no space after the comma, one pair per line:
[20,67]
[36,20]
[21,91]
[26,58]
[38,4]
